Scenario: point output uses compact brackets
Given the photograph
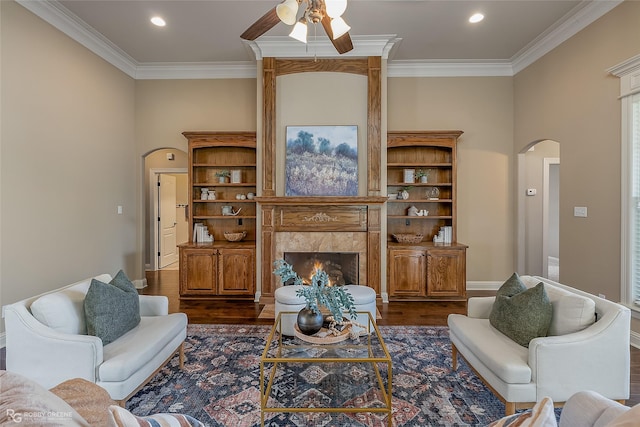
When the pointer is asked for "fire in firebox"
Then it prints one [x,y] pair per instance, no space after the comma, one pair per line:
[342,267]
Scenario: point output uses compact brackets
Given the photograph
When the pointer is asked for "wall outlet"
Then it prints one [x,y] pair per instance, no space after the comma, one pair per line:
[531,191]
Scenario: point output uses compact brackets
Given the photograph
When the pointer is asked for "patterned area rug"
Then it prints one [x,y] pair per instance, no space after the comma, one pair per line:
[220,383]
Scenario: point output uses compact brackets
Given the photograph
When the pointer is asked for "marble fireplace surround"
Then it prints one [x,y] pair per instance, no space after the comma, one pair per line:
[320,224]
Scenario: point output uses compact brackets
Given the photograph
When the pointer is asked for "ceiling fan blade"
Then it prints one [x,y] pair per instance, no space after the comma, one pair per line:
[261,26]
[343,43]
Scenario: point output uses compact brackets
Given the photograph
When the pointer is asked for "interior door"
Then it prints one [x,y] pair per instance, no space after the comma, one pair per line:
[168,252]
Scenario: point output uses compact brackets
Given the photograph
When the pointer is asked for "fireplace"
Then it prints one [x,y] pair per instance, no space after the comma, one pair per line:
[341,267]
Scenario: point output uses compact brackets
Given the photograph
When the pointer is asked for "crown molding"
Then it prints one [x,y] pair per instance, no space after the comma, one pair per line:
[321,47]
[197,70]
[64,20]
[449,69]
[577,19]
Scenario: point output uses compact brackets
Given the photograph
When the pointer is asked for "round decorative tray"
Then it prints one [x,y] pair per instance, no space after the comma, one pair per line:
[235,237]
[329,339]
[408,238]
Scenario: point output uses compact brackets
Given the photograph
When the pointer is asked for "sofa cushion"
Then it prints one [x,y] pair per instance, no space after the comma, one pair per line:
[25,402]
[541,415]
[111,309]
[571,312]
[523,316]
[88,399]
[127,355]
[63,310]
[123,418]
[504,357]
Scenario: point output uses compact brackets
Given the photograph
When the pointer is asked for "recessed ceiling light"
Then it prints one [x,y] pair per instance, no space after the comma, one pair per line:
[156,20]
[476,17]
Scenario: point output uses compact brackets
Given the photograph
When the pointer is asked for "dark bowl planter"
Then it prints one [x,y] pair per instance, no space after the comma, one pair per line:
[309,321]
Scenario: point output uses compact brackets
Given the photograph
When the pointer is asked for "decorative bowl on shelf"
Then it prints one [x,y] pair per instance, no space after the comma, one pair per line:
[235,237]
[408,237]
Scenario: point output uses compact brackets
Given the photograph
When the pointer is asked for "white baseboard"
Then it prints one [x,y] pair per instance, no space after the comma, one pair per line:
[483,286]
[140,283]
[635,339]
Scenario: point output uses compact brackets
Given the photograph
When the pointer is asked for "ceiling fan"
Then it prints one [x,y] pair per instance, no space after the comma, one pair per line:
[327,12]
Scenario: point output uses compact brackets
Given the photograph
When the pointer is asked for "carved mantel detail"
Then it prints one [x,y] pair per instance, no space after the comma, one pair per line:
[320,217]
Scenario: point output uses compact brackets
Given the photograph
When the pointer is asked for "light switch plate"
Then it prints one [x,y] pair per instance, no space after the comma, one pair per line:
[580,211]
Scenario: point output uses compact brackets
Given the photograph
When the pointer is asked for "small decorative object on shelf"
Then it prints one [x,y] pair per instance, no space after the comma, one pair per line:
[211,195]
[408,237]
[235,236]
[201,234]
[443,236]
[403,194]
[412,211]
[433,193]
[223,175]
[409,176]
[319,293]
[204,193]
[236,176]
[228,211]
[423,175]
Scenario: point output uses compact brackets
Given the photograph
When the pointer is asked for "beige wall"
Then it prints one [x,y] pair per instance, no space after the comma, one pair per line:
[483,109]
[68,161]
[568,96]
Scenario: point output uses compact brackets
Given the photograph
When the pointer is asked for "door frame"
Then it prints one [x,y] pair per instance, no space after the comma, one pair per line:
[548,161]
[153,219]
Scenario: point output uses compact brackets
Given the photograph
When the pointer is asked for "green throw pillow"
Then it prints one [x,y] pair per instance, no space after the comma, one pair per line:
[112,309]
[512,286]
[523,316]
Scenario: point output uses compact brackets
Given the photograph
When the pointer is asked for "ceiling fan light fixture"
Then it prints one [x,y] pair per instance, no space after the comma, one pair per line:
[335,8]
[339,27]
[287,11]
[299,31]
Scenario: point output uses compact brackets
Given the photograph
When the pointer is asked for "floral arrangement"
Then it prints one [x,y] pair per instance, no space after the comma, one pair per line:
[223,173]
[420,173]
[319,293]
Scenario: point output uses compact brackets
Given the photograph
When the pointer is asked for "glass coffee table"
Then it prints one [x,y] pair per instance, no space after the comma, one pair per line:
[349,377]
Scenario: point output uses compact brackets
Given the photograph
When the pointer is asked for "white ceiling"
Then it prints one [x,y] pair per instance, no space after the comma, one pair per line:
[418,36]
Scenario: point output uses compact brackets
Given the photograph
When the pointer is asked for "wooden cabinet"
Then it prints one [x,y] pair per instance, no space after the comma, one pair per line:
[425,270]
[407,272]
[236,271]
[208,271]
[221,268]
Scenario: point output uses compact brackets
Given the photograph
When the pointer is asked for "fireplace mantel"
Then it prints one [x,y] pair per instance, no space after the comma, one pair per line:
[327,201]
[353,219]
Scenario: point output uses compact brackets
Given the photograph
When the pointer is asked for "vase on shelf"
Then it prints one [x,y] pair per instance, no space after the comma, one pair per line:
[423,179]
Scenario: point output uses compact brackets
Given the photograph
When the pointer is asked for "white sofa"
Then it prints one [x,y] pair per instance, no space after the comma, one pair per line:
[579,353]
[55,346]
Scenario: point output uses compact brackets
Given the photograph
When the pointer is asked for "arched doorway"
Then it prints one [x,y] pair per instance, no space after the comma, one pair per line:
[166,211]
[538,209]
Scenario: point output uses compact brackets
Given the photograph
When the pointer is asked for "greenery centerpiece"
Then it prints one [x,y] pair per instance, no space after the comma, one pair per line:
[223,174]
[319,293]
[423,175]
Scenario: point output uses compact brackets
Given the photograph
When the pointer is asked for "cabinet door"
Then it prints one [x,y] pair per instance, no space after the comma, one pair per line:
[198,271]
[446,270]
[407,273]
[236,271]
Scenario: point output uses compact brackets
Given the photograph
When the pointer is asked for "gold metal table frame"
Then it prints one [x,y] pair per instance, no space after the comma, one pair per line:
[277,353]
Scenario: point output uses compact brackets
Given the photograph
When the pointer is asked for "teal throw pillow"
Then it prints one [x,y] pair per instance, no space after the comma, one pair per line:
[523,316]
[111,309]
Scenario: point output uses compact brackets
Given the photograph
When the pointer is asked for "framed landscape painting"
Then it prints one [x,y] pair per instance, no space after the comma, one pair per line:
[321,161]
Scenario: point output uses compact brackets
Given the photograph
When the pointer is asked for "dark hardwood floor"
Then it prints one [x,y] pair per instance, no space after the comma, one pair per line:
[165,282]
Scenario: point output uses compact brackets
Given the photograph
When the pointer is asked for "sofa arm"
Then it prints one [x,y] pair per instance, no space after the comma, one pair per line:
[46,355]
[154,305]
[480,307]
[596,358]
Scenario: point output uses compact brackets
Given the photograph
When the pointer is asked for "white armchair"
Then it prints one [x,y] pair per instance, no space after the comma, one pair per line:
[55,347]
[578,355]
